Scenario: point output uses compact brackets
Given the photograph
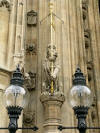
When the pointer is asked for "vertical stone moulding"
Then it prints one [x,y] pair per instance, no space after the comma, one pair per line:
[4,29]
[85,13]
[89,60]
[18,50]
[52,110]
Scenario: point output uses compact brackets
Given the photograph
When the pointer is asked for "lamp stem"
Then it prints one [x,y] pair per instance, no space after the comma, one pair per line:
[82,131]
[82,124]
[13,125]
[14,112]
[81,113]
[12,131]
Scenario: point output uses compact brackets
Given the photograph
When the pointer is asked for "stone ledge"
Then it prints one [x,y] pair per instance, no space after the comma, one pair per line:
[57,96]
[51,124]
[3,70]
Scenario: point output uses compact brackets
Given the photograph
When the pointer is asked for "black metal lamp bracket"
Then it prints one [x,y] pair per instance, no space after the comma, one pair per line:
[14,112]
[24,128]
[81,113]
[63,128]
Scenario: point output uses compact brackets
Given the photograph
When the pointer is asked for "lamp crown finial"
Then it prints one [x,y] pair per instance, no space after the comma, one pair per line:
[79,78]
[17,77]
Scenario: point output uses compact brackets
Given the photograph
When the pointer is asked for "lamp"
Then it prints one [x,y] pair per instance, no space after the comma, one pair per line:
[80,99]
[80,94]
[14,101]
[15,92]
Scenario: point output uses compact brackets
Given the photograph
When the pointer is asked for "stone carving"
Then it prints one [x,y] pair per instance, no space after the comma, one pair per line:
[30,81]
[5,3]
[94,100]
[51,53]
[32,18]
[31,49]
[89,69]
[51,69]
[21,3]
[84,9]
[87,38]
[85,13]
[29,118]
[93,115]
[93,108]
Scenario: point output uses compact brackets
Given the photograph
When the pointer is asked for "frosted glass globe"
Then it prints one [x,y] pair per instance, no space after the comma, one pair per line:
[80,96]
[14,96]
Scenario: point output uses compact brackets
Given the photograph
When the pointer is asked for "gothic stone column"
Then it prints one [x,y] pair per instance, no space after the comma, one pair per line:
[52,110]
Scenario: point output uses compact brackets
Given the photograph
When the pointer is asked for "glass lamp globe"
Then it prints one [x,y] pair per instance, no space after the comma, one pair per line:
[14,96]
[80,94]
[15,92]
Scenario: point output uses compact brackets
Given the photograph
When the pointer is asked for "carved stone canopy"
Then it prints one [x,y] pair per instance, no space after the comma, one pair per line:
[6,3]
[32,18]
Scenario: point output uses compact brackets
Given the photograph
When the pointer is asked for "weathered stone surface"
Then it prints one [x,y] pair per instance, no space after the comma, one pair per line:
[52,110]
[77,42]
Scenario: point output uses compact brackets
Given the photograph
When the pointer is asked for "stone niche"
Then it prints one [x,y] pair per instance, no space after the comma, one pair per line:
[32,18]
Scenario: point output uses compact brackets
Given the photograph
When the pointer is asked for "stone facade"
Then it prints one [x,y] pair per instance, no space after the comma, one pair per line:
[24,37]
